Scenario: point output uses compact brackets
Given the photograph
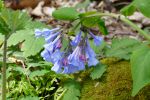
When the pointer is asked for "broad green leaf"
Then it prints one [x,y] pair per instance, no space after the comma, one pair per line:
[90,21]
[95,21]
[1,5]
[14,20]
[4,27]
[98,71]
[19,36]
[143,6]
[36,24]
[66,13]
[140,66]
[122,48]
[128,10]
[19,69]
[38,73]
[73,90]
[102,27]
[32,46]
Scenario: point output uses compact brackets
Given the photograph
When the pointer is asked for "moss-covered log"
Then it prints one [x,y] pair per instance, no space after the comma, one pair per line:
[116,84]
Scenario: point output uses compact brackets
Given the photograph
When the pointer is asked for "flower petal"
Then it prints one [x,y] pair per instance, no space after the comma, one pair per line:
[57,55]
[77,39]
[92,61]
[38,33]
[97,39]
[57,67]
[46,56]
[48,32]
[51,37]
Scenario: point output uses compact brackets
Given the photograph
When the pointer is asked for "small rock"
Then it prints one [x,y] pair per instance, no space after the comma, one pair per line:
[146,21]
[48,10]
[38,10]
[137,16]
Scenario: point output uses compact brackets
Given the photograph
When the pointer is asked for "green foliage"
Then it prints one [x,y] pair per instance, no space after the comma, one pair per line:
[19,37]
[98,71]
[94,21]
[90,21]
[31,45]
[128,10]
[36,24]
[140,68]
[98,49]
[11,21]
[102,27]
[1,5]
[66,13]
[4,27]
[143,6]
[38,73]
[34,81]
[30,98]
[73,90]
[122,48]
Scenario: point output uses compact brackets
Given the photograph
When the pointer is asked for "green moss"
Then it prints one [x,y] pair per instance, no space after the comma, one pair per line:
[116,84]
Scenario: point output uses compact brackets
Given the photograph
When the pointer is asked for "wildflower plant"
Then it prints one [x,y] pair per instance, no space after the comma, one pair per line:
[79,53]
[75,57]
[69,47]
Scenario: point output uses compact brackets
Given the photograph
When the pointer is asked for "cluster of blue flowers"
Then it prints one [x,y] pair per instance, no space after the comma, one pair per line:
[73,59]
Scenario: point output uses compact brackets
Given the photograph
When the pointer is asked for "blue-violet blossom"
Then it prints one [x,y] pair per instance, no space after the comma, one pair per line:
[97,39]
[69,61]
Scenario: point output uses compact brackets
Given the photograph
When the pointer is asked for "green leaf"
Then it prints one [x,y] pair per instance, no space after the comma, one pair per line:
[32,46]
[38,73]
[102,27]
[66,13]
[4,28]
[122,48]
[98,71]
[1,5]
[14,20]
[128,10]
[90,21]
[19,69]
[95,21]
[143,6]
[140,66]
[36,24]
[73,90]
[19,36]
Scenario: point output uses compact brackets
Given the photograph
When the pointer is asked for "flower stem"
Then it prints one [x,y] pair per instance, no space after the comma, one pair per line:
[4,69]
[127,21]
